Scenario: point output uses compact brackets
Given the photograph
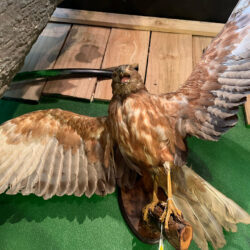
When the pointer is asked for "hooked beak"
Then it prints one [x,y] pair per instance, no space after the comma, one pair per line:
[125,77]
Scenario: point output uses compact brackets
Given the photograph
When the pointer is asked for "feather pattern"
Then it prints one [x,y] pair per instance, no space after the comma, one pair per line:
[92,180]
[82,175]
[15,180]
[46,170]
[220,81]
[74,173]
[33,177]
[55,152]
[207,209]
[62,189]
[56,174]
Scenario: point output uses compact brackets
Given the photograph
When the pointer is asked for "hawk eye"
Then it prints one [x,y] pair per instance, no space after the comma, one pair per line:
[115,74]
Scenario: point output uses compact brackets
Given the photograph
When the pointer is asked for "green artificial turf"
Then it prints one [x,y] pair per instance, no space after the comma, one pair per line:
[29,222]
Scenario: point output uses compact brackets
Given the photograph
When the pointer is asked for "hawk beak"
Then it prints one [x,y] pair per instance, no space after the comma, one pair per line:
[125,77]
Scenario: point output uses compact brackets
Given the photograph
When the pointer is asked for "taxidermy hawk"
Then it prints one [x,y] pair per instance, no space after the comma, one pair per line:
[56,152]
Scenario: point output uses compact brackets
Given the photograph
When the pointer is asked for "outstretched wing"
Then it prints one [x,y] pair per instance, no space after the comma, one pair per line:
[207,104]
[56,152]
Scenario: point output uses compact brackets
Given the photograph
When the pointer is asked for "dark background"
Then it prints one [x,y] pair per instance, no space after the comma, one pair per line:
[202,10]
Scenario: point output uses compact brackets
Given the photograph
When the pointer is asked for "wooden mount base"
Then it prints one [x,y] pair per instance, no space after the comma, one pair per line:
[132,201]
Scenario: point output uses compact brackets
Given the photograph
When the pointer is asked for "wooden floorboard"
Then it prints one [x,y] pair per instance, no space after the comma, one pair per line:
[169,62]
[173,52]
[136,22]
[84,48]
[200,44]
[124,47]
[42,56]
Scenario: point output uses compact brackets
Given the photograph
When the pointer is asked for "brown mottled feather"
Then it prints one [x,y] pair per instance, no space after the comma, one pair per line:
[206,105]
[150,129]
[56,152]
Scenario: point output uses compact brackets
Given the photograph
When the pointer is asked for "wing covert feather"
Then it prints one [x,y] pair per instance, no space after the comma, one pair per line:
[56,152]
[206,105]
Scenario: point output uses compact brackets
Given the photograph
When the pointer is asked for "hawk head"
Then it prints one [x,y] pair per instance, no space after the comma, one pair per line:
[126,80]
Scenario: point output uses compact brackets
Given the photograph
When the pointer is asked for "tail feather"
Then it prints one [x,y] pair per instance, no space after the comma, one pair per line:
[198,232]
[207,209]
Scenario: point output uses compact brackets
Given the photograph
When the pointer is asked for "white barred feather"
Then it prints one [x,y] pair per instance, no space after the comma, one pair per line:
[62,189]
[207,209]
[44,165]
[22,172]
[219,83]
[92,181]
[82,175]
[46,169]
[57,173]
[74,173]
[33,178]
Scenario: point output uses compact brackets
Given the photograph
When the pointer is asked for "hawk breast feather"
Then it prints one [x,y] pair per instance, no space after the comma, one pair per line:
[56,152]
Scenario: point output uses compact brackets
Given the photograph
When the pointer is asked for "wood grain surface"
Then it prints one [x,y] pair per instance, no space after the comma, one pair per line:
[136,22]
[169,63]
[170,60]
[124,47]
[200,44]
[84,48]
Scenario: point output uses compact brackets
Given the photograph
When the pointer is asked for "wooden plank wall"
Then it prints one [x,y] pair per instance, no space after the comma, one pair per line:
[199,46]
[170,61]
[84,48]
[165,59]
[136,22]
[124,47]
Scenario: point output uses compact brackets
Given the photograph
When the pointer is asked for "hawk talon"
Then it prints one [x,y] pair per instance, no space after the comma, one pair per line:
[148,207]
[153,203]
[171,209]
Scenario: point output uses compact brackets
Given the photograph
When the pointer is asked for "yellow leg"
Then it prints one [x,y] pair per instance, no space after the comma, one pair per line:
[171,208]
[153,203]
